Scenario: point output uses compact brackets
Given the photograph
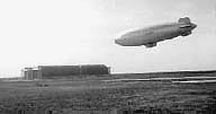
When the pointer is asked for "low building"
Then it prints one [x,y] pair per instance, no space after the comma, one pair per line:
[49,72]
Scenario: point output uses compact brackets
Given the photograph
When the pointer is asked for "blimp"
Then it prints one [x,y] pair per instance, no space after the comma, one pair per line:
[151,35]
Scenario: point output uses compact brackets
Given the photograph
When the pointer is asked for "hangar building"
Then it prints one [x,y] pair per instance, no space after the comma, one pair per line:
[47,72]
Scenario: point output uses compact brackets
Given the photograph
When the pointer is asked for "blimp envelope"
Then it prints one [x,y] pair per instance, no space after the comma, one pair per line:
[151,35]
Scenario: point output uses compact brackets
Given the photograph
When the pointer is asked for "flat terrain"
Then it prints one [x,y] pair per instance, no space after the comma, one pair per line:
[109,94]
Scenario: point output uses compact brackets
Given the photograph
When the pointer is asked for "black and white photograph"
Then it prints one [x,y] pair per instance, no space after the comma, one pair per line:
[107,57]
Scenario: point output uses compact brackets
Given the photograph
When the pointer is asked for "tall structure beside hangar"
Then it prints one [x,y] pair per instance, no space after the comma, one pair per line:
[49,72]
[30,73]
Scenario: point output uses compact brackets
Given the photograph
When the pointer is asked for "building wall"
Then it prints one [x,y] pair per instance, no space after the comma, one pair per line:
[94,69]
[58,71]
[53,71]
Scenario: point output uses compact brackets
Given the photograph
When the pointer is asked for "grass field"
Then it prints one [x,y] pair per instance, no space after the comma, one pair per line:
[93,95]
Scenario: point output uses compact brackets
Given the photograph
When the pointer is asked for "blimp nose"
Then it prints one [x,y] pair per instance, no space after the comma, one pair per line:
[117,41]
[120,41]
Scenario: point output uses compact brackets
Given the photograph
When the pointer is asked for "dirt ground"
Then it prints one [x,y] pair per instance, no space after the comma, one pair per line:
[94,95]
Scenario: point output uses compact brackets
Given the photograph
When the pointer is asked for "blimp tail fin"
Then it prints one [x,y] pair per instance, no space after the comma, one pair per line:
[185,20]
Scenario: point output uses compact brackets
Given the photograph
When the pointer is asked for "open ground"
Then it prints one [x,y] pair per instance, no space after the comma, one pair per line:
[96,95]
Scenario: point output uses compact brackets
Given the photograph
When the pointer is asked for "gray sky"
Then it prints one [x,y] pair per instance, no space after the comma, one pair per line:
[55,32]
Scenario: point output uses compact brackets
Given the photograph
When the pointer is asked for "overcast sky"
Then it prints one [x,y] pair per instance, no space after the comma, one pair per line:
[67,32]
